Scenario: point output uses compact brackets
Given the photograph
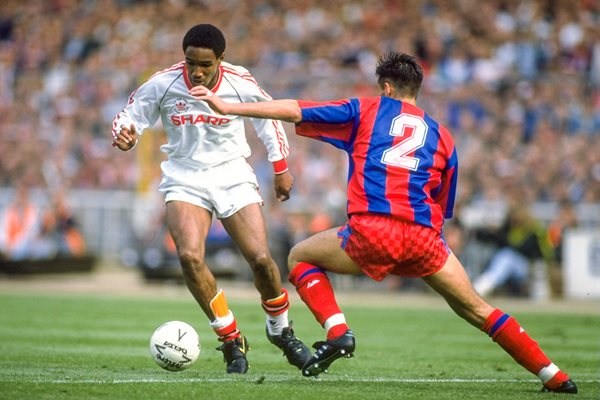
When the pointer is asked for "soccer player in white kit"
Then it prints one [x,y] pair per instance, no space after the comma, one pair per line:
[207,173]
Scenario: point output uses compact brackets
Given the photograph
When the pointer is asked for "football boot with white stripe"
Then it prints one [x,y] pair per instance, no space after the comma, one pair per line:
[329,351]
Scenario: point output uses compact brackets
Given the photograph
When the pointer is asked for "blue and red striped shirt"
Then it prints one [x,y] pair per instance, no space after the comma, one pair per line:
[402,162]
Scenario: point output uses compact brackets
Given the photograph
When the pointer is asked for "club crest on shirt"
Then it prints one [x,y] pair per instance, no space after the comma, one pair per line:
[181,106]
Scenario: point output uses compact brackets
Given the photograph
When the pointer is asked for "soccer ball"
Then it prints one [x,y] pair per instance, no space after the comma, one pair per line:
[175,346]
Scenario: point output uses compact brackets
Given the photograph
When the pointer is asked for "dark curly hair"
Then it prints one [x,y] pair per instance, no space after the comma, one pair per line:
[206,36]
[402,71]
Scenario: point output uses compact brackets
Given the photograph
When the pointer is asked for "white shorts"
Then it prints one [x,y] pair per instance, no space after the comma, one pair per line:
[224,189]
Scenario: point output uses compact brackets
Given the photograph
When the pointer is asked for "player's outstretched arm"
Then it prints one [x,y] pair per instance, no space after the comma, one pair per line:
[284,110]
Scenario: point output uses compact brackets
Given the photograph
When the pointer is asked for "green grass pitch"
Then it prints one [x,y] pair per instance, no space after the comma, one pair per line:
[96,347]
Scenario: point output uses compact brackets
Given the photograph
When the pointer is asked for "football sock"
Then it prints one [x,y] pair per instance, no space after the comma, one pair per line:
[224,323]
[316,292]
[506,331]
[277,313]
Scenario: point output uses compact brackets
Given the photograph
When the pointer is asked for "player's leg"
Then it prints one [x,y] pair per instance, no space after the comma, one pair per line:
[247,228]
[308,261]
[189,225]
[454,285]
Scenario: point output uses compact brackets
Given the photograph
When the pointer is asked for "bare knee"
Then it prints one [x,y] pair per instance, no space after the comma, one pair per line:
[267,278]
[293,257]
[192,261]
[260,261]
[299,253]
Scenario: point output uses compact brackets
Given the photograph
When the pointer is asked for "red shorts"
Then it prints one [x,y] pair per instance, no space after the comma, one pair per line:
[383,245]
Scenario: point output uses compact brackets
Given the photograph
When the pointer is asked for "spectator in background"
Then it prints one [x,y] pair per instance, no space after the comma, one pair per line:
[525,79]
[61,227]
[21,233]
[521,240]
[78,71]
[565,220]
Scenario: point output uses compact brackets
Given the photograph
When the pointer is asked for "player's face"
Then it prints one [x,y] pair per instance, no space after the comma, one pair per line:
[202,66]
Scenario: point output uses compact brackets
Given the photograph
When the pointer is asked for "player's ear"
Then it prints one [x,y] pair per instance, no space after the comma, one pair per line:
[388,90]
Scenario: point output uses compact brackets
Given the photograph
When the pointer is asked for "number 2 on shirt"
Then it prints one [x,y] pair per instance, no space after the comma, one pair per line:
[415,131]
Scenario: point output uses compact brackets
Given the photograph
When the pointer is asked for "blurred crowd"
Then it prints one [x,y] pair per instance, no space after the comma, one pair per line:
[31,232]
[516,81]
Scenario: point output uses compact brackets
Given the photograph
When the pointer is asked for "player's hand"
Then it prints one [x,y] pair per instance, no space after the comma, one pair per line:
[283,185]
[126,138]
[214,101]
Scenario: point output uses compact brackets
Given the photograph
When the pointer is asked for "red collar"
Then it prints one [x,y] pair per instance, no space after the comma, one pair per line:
[189,84]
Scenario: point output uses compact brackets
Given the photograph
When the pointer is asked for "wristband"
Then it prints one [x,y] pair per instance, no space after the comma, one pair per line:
[279,167]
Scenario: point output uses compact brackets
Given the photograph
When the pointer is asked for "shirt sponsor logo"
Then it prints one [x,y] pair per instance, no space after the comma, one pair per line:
[191,119]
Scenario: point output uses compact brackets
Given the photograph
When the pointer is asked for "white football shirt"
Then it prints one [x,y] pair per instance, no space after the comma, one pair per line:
[198,137]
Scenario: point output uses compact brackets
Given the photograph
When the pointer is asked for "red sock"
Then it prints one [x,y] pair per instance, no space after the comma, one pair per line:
[316,292]
[506,331]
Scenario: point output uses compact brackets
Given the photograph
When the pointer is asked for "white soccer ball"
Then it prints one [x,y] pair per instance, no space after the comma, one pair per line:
[175,346]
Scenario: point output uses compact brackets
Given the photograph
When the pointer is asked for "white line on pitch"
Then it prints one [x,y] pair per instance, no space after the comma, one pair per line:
[283,379]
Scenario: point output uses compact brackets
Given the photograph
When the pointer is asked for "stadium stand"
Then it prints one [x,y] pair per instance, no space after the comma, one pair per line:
[517,82]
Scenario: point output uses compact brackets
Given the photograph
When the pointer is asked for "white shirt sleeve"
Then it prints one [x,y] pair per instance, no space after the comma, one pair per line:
[141,110]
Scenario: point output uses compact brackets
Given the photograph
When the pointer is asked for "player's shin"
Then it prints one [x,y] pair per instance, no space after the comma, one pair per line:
[224,323]
[315,290]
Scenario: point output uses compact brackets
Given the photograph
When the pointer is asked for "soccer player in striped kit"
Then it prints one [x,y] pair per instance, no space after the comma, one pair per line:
[401,186]
[206,173]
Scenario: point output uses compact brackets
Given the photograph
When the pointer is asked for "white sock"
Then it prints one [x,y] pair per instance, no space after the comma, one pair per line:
[275,324]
